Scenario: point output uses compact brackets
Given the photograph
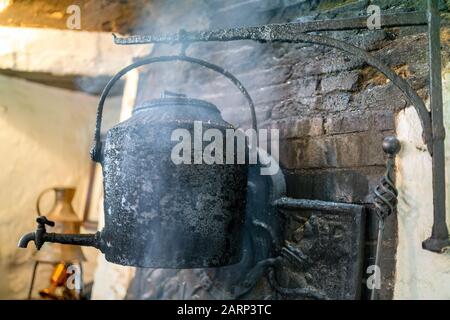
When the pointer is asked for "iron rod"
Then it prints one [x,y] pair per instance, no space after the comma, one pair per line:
[87,240]
[33,278]
[374,292]
[254,33]
[439,236]
[316,205]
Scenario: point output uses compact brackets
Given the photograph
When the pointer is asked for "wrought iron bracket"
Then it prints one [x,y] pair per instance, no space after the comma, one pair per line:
[432,121]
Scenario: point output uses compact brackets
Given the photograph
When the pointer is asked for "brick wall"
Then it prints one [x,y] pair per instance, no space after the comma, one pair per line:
[332,109]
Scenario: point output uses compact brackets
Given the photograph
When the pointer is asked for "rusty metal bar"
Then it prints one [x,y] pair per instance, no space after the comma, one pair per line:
[254,33]
[287,203]
[439,239]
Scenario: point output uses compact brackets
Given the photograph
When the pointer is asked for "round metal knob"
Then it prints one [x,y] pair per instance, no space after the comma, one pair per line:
[391,145]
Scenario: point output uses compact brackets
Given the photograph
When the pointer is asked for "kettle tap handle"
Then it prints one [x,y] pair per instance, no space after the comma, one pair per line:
[96,151]
[42,221]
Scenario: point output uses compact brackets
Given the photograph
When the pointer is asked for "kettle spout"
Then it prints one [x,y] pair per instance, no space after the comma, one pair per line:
[23,242]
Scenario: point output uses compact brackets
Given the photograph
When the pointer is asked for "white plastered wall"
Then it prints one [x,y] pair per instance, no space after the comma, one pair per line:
[46,133]
[45,137]
[420,274]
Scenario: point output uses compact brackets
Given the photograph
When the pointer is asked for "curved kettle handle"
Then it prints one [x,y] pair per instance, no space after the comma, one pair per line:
[96,148]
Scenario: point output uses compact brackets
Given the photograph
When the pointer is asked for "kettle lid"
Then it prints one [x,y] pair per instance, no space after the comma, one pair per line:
[169,98]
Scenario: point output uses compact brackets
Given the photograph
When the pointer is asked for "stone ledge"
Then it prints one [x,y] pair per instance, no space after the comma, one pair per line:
[62,53]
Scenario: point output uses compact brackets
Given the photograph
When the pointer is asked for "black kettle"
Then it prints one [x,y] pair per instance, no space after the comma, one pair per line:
[160,214]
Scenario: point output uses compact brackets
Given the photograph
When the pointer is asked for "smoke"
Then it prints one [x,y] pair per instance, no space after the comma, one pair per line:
[238,57]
